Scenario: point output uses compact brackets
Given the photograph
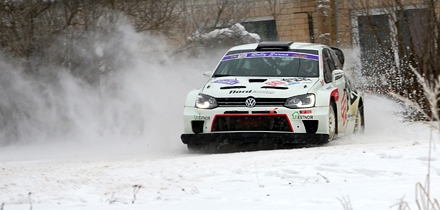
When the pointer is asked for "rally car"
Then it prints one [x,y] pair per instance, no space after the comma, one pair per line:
[274,92]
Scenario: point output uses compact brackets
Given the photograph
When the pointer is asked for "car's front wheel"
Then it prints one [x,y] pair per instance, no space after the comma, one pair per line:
[332,122]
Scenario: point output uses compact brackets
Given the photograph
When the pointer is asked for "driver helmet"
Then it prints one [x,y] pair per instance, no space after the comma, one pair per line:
[309,66]
[252,66]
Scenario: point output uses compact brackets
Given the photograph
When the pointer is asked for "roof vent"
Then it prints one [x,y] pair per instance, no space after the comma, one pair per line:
[274,46]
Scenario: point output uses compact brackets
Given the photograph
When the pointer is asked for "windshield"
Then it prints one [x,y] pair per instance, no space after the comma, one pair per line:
[269,64]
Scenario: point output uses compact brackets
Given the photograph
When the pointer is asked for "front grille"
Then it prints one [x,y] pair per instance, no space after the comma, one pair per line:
[240,102]
[251,122]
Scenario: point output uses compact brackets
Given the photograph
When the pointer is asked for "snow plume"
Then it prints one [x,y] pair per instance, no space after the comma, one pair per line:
[131,106]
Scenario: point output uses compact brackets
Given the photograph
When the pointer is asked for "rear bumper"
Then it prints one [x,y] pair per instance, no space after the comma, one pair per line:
[254,137]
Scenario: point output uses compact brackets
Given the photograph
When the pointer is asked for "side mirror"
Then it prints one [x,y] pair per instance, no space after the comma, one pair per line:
[337,76]
[207,73]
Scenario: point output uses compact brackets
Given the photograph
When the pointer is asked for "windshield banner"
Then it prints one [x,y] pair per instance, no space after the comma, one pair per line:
[271,54]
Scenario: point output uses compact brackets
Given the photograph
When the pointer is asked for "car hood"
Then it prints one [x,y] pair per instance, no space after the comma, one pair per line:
[225,87]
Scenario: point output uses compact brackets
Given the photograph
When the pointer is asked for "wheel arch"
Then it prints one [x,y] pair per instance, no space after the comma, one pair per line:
[324,97]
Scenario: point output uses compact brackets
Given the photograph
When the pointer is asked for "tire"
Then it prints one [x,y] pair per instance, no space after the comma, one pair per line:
[359,126]
[332,122]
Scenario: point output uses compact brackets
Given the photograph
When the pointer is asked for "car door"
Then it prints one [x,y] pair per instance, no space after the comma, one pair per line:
[342,103]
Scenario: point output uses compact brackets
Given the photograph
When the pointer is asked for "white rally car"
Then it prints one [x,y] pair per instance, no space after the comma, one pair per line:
[274,92]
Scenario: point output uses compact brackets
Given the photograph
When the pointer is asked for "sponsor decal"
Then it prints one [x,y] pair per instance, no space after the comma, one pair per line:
[239,91]
[280,54]
[297,79]
[344,108]
[201,117]
[275,83]
[259,55]
[226,81]
[291,81]
[263,91]
[299,56]
[296,115]
[252,91]
[271,54]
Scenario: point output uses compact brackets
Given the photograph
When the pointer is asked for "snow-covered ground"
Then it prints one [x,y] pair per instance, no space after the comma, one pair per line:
[372,171]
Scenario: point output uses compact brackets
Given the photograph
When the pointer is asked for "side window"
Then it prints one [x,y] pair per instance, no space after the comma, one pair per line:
[348,85]
[327,69]
[335,59]
[328,59]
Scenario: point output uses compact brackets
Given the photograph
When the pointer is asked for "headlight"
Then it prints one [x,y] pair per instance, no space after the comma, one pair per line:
[205,102]
[302,101]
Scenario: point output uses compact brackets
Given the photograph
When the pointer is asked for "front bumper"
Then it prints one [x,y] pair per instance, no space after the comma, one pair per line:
[253,137]
[207,120]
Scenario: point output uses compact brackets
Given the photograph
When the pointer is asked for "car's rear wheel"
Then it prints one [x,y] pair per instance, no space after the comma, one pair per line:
[359,126]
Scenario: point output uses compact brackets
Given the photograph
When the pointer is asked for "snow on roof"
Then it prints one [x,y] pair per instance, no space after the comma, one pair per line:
[234,31]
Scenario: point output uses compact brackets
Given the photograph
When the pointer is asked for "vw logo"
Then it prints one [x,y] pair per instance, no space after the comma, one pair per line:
[250,102]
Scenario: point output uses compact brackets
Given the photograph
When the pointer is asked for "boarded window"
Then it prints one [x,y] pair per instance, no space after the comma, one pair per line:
[375,43]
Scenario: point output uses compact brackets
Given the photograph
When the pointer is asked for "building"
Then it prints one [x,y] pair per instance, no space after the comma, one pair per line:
[365,25]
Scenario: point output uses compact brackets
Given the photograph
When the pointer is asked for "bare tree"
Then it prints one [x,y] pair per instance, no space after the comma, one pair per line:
[202,16]
[66,32]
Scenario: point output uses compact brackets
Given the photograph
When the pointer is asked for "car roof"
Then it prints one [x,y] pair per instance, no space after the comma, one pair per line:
[293,45]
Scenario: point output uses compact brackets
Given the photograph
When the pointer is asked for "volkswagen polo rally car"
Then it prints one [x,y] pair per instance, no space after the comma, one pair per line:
[274,92]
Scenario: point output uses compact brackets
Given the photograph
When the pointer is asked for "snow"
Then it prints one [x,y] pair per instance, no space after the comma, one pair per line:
[371,171]
[237,30]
